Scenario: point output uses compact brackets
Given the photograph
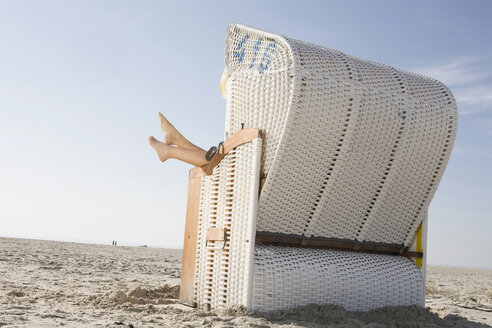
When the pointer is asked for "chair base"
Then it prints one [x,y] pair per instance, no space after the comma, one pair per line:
[286,277]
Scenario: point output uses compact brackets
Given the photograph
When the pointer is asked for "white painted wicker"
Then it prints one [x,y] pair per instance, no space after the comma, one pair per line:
[228,199]
[285,277]
[353,149]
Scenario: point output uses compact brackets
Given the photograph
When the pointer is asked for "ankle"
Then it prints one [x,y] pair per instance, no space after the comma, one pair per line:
[171,138]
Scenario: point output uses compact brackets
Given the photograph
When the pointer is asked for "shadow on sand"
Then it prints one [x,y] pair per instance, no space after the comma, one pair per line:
[335,316]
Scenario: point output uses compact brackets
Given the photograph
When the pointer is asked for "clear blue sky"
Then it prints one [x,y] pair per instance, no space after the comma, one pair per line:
[81,83]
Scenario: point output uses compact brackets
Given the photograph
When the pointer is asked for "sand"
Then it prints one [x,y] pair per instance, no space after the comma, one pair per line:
[51,284]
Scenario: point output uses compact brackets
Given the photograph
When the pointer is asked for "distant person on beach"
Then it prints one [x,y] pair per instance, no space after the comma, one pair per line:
[176,146]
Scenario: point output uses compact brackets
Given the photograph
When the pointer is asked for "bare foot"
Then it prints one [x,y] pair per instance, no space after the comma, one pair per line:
[161,149]
[171,135]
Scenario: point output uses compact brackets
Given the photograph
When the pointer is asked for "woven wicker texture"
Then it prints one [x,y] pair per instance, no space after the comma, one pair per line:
[353,149]
[228,199]
[285,277]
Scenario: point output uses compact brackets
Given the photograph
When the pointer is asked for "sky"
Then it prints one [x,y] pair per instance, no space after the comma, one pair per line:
[81,83]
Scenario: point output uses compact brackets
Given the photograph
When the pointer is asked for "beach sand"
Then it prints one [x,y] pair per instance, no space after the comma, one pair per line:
[51,284]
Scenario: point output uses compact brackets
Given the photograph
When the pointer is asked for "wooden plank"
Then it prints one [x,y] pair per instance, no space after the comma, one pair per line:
[265,238]
[237,139]
[190,238]
[419,261]
[215,234]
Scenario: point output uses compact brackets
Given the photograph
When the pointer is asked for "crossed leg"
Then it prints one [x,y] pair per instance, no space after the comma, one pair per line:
[176,146]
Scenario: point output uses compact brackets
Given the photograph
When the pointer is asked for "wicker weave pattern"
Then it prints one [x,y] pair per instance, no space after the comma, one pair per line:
[228,200]
[286,277]
[254,95]
[353,149]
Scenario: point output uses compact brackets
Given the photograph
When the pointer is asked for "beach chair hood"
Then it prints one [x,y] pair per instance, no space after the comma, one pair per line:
[353,149]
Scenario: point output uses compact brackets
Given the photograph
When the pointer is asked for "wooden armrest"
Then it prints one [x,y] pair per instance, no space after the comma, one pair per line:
[237,139]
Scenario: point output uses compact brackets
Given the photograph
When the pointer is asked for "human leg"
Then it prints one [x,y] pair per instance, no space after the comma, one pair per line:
[194,157]
[173,137]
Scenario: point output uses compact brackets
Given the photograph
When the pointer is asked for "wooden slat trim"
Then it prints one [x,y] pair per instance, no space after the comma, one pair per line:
[190,240]
[265,238]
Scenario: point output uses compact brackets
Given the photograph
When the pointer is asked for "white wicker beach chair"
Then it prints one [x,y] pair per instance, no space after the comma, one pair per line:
[321,191]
